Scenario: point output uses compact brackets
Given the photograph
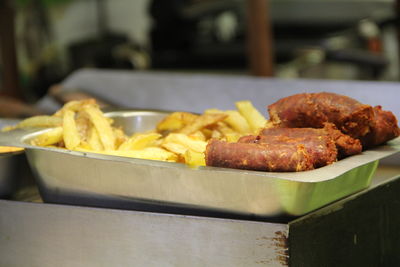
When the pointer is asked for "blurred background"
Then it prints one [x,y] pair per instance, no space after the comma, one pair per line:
[43,41]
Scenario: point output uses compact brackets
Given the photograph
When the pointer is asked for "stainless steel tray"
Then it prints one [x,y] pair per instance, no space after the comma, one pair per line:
[72,177]
[8,165]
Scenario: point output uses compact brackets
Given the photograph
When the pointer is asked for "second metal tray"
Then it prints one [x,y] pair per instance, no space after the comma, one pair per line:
[8,165]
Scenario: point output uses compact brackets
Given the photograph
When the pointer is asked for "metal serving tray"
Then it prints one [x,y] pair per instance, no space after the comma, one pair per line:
[91,179]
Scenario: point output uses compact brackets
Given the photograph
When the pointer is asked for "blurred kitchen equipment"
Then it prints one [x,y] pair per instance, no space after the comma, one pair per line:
[108,49]
[8,59]
[214,34]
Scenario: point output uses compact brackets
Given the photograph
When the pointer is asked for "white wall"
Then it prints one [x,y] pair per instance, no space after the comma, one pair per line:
[78,20]
[131,17]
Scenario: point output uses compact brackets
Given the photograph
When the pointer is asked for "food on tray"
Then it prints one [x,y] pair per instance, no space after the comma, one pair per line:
[317,147]
[251,114]
[320,147]
[179,137]
[345,145]
[305,131]
[314,109]
[383,128]
[258,156]
[36,121]
[372,126]
[8,149]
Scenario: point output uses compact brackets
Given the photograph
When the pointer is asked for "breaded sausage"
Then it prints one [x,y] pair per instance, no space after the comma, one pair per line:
[319,145]
[314,109]
[261,157]
[384,128]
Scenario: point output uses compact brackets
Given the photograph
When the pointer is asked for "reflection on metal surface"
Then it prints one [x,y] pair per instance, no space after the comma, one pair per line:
[57,235]
[9,157]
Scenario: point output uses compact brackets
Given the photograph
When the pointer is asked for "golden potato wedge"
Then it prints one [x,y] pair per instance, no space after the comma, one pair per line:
[193,158]
[232,137]
[237,122]
[175,148]
[234,119]
[175,121]
[120,137]
[71,135]
[186,141]
[201,122]
[216,134]
[94,140]
[139,141]
[83,125]
[9,149]
[223,128]
[254,118]
[198,135]
[40,121]
[76,106]
[102,126]
[48,138]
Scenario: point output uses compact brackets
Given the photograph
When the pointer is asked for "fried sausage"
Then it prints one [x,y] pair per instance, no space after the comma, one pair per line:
[320,146]
[261,157]
[384,128]
[314,109]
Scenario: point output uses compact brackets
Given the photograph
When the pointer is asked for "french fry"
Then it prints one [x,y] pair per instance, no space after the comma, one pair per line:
[40,121]
[71,134]
[216,134]
[83,125]
[8,128]
[237,122]
[139,141]
[48,138]
[199,135]
[232,137]
[75,106]
[207,133]
[102,126]
[120,137]
[8,149]
[223,128]
[175,148]
[94,140]
[213,111]
[175,121]
[194,159]
[202,122]
[234,119]
[83,146]
[186,141]
[255,119]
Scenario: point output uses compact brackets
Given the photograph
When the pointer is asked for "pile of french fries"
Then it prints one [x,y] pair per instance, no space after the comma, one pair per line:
[179,137]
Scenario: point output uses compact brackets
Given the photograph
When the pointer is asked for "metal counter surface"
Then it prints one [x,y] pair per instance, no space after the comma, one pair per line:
[37,234]
[54,235]
[197,92]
